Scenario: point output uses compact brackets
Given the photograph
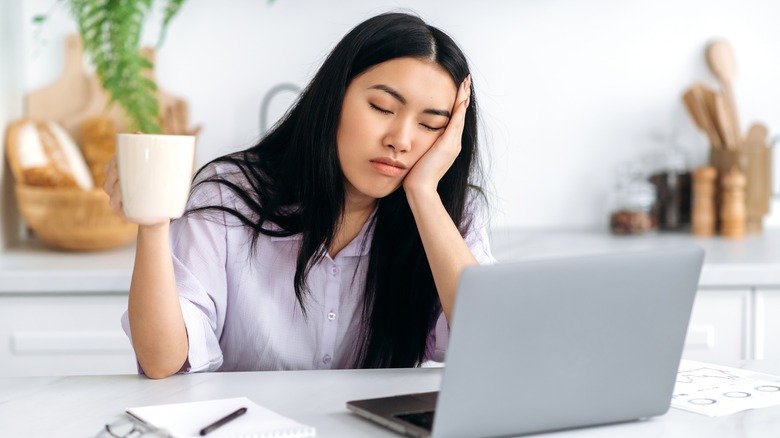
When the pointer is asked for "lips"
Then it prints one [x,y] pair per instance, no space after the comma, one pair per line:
[388,166]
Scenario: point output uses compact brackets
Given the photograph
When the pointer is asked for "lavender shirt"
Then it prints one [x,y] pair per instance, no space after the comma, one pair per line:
[240,308]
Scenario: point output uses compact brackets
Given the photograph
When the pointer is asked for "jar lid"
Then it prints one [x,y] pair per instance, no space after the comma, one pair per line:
[675,160]
[630,172]
[638,194]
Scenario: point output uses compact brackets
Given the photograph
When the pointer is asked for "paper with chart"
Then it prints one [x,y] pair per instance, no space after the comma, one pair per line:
[716,390]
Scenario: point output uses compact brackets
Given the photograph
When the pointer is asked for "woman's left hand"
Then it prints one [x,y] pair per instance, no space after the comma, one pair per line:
[432,166]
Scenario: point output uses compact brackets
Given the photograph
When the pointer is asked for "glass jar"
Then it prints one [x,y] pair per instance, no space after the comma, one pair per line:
[672,181]
[633,203]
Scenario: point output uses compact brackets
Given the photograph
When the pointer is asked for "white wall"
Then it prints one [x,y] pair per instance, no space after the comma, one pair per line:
[568,89]
[10,108]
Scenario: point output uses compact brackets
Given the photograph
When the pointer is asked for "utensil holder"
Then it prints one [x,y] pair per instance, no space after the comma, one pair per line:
[754,160]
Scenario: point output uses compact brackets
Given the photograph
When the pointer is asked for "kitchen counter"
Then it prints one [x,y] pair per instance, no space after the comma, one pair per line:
[753,260]
[35,268]
[750,261]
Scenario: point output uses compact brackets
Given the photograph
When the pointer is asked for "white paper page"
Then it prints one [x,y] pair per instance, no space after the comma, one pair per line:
[184,420]
[716,390]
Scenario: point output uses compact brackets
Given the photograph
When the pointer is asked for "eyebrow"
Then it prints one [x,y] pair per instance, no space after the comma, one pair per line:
[391,91]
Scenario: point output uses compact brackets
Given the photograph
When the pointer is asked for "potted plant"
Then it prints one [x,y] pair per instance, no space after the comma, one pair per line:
[111,35]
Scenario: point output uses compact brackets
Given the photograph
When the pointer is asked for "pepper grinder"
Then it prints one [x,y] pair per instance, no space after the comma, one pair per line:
[703,212]
[733,211]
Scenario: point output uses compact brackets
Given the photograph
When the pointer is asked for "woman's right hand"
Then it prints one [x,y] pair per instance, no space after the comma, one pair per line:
[113,189]
[154,314]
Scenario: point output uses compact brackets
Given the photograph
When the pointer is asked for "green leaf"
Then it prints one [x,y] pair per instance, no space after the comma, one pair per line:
[111,35]
[171,9]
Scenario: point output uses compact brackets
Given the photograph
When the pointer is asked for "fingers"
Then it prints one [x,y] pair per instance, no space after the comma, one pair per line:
[463,97]
[112,188]
[465,92]
[462,101]
[454,129]
[110,171]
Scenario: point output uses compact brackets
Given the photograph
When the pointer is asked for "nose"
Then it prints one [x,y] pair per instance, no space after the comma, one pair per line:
[398,137]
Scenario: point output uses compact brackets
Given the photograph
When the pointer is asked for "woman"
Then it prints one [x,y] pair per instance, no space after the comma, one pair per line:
[337,241]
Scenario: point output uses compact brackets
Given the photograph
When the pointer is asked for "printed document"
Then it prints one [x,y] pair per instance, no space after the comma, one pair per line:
[716,390]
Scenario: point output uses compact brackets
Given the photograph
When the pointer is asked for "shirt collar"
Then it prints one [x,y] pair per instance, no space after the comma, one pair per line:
[355,248]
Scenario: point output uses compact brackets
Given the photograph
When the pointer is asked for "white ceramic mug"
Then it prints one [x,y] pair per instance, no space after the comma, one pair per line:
[155,173]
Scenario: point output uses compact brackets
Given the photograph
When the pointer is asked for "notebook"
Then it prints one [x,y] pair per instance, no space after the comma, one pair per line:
[555,344]
[183,420]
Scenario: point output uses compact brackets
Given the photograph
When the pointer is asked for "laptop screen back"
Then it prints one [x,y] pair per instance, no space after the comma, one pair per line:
[562,343]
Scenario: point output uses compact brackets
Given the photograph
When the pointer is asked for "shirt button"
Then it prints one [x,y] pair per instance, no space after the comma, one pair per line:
[331,316]
[334,270]
[326,359]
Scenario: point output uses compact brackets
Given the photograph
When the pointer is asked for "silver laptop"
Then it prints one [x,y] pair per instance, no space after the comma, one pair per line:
[556,344]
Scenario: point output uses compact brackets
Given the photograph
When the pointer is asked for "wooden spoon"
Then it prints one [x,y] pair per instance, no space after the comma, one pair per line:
[720,58]
[726,128]
[757,134]
[697,107]
[708,97]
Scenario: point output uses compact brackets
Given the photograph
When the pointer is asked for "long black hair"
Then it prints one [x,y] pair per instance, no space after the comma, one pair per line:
[295,182]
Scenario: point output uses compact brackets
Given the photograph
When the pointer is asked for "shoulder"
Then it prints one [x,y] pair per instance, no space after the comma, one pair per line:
[232,171]
[219,183]
[475,208]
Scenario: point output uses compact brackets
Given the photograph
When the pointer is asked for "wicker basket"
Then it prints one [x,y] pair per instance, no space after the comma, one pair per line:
[73,219]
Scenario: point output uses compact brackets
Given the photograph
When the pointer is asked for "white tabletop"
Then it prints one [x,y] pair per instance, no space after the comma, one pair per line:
[80,406]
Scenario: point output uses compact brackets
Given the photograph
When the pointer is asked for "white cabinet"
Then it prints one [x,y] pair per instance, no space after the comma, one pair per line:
[768,322]
[720,327]
[729,325]
[63,334]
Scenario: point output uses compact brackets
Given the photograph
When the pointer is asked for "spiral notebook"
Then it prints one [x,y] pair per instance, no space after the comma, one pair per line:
[183,420]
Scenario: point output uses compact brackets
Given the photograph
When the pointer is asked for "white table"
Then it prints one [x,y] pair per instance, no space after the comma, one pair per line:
[79,406]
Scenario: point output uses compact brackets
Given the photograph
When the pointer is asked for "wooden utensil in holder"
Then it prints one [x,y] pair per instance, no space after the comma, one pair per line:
[715,113]
[720,58]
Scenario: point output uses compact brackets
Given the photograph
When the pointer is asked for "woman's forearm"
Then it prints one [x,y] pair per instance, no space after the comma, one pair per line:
[445,248]
[156,322]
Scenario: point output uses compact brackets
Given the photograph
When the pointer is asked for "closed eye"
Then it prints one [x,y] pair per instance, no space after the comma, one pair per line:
[427,127]
[431,128]
[381,110]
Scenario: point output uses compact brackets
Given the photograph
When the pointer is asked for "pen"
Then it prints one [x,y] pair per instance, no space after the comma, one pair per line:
[222,421]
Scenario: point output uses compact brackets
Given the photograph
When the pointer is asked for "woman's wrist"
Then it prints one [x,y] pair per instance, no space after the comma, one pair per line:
[420,196]
[151,230]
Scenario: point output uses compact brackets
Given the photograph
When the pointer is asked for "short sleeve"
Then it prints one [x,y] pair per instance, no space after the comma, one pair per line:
[436,346]
[477,235]
[200,259]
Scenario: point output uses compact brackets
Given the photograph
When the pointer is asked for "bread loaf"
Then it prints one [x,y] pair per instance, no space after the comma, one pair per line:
[99,136]
[41,153]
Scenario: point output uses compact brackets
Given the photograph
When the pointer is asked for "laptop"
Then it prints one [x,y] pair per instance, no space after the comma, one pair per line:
[555,344]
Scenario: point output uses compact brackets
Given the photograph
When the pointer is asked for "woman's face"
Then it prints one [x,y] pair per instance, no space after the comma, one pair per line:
[392,114]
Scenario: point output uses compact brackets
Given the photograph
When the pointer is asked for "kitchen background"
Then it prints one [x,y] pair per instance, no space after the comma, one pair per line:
[568,90]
